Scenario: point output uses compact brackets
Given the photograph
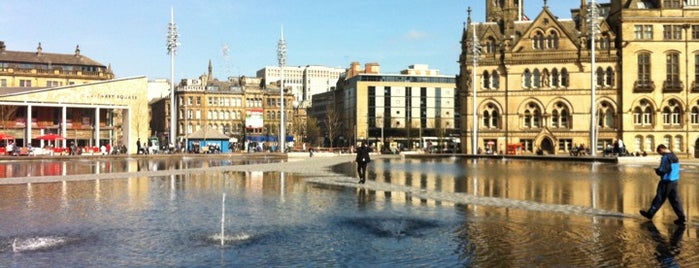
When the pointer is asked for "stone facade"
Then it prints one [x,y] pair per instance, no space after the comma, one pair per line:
[534,78]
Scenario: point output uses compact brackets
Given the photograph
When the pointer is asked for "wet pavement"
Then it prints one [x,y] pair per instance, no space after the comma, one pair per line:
[430,212]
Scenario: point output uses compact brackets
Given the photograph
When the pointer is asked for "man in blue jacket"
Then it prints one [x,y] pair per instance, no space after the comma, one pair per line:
[669,172]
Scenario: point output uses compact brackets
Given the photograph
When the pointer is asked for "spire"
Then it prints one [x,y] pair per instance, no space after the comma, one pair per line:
[468,21]
[39,50]
[211,68]
[77,50]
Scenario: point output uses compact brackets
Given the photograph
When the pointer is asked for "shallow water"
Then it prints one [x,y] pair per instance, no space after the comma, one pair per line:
[29,167]
[434,213]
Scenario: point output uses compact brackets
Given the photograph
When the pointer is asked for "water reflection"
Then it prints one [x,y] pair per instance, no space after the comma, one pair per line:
[438,213]
[78,166]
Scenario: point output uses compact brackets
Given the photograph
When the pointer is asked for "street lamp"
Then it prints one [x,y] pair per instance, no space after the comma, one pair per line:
[172,44]
[593,20]
[281,57]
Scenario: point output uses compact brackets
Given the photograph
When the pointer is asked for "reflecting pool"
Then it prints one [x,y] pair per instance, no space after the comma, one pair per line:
[448,212]
[29,167]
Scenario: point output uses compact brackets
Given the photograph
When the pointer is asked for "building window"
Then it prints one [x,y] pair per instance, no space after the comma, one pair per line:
[673,70]
[643,32]
[695,32]
[555,79]
[677,143]
[552,40]
[643,70]
[606,115]
[565,145]
[672,32]
[600,77]
[496,80]
[672,114]
[560,117]
[490,45]
[486,80]
[538,41]
[3,82]
[527,83]
[694,116]
[25,83]
[649,143]
[609,77]
[532,116]
[537,78]
[491,117]
[604,42]
[672,4]
[643,114]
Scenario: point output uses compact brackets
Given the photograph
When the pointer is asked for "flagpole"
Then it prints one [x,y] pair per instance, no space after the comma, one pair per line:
[474,141]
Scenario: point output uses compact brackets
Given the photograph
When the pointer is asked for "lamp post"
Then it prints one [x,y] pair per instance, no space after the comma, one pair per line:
[172,37]
[281,57]
[593,19]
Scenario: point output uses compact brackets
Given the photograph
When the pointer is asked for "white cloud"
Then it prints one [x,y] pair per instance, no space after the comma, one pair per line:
[415,35]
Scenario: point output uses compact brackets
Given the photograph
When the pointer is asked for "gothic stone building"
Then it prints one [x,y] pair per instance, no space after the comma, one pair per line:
[534,78]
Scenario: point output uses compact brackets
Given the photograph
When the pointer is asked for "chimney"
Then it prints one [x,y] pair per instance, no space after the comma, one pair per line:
[2,46]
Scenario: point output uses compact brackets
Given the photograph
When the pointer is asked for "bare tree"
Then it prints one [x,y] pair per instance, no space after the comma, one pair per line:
[332,123]
[7,112]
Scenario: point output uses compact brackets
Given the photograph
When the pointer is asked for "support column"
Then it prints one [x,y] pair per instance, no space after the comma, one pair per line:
[64,125]
[28,136]
[97,127]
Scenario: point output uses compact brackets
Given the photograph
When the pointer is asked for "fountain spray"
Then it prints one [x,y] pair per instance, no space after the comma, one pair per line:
[223,218]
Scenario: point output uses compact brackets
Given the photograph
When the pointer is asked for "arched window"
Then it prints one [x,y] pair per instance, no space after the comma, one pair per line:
[672,114]
[649,143]
[486,80]
[604,42]
[564,78]
[673,69]
[643,114]
[600,77]
[694,117]
[677,143]
[609,77]
[552,40]
[490,45]
[536,79]
[560,117]
[491,116]
[606,115]
[538,41]
[527,83]
[555,78]
[496,80]
[532,116]
[643,70]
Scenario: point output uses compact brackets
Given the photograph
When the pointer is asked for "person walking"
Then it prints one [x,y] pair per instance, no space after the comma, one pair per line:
[362,160]
[669,172]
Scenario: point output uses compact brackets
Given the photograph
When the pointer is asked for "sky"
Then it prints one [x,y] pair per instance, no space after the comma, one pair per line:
[130,35]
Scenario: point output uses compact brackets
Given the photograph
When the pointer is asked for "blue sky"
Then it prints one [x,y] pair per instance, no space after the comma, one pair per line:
[130,34]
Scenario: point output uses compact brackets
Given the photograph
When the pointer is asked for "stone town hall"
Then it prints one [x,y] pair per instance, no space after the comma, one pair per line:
[533,77]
